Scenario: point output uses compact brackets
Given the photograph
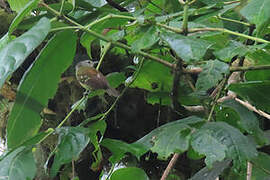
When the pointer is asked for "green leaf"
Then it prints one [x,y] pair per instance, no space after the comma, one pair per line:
[211,174]
[150,80]
[246,119]
[170,138]
[257,12]
[4,41]
[23,12]
[17,5]
[259,57]
[255,92]
[232,49]
[96,3]
[87,39]
[204,143]
[19,165]
[71,142]
[93,129]
[213,72]
[115,79]
[120,148]
[130,173]
[260,168]
[236,146]
[188,48]
[148,38]
[15,52]
[37,86]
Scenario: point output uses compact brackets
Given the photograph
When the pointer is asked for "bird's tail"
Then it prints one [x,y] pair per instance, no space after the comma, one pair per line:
[113,92]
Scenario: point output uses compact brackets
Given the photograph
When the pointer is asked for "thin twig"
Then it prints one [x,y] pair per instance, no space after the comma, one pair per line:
[170,166]
[249,171]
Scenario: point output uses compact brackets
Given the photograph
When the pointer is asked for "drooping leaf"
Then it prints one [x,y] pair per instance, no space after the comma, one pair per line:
[148,38]
[255,92]
[204,143]
[71,142]
[257,12]
[170,138]
[131,173]
[232,49]
[37,86]
[234,144]
[120,148]
[187,48]
[19,165]
[93,129]
[15,52]
[213,72]
[211,174]
[246,119]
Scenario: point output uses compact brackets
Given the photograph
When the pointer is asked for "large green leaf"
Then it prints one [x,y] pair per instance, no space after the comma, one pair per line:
[15,52]
[150,80]
[37,86]
[244,118]
[17,5]
[19,165]
[232,142]
[232,49]
[71,142]
[204,143]
[256,92]
[148,38]
[170,138]
[257,12]
[188,48]
[130,173]
[120,148]
[259,57]
[211,174]
[213,72]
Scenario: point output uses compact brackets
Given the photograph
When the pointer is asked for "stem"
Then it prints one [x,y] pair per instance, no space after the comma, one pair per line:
[69,114]
[232,20]
[107,47]
[64,28]
[250,68]
[61,8]
[185,19]
[222,84]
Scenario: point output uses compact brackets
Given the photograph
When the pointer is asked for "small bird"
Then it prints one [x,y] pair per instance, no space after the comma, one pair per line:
[92,79]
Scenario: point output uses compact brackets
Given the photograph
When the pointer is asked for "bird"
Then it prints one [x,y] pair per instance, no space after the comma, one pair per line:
[91,79]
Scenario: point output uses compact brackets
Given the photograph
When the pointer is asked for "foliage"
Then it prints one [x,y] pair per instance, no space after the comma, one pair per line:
[183,58]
